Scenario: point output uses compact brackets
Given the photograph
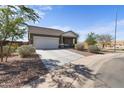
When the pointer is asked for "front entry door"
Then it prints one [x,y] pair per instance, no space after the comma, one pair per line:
[68,41]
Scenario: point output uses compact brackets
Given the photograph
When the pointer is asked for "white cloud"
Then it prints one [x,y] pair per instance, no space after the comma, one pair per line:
[64,28]
[45,8]
[40,13]
[41,10]
[121,22]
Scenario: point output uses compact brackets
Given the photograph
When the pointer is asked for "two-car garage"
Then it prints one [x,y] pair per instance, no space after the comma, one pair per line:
[45,42]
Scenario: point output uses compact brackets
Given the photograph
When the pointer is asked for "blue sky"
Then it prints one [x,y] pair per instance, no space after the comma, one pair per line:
[82,19]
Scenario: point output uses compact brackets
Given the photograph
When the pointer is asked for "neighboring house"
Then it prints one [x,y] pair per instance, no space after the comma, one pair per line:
[48,38]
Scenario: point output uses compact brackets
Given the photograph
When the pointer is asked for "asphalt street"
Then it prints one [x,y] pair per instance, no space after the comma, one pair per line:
[111,74]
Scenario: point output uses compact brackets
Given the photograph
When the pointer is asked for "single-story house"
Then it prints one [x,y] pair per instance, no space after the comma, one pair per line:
[48,38]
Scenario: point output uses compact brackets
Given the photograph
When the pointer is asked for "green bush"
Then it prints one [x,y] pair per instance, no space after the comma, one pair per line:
[93,49]
[26,50]
[5,50]
[79,46]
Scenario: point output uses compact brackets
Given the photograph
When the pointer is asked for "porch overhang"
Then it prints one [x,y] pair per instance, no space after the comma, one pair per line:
[68,39]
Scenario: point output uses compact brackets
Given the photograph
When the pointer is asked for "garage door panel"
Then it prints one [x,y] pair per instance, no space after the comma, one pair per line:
[45,42]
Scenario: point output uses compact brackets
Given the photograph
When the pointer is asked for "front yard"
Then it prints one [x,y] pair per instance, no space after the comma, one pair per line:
[33,71]
[19,71]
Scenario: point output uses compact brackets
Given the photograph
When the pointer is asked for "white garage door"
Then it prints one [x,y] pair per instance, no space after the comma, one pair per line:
[45,42]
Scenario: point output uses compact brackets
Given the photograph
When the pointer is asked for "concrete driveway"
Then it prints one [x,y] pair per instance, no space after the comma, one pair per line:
[56,58]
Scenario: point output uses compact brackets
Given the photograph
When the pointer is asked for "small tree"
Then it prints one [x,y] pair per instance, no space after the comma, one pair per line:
[91,39]
[5,14]
[13,23]
[104,39]
[17,31]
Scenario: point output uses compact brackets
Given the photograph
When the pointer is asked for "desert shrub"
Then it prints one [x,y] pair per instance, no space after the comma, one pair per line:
[5,50]
[26,50]
[93,49]
[14,46]
[79,46]
[85,45]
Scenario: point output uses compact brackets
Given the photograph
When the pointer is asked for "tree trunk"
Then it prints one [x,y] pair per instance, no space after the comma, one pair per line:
[103,46]
[8,52]
[9,49]
[1,49]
